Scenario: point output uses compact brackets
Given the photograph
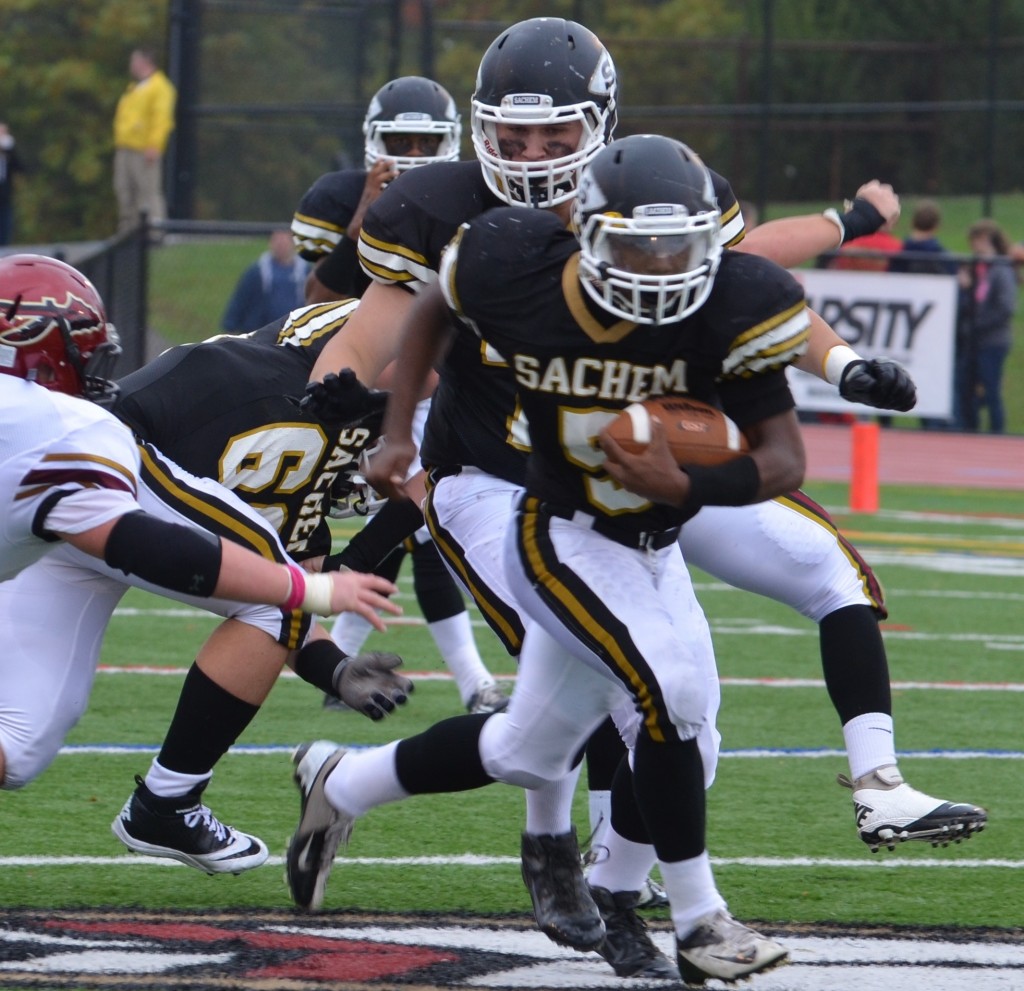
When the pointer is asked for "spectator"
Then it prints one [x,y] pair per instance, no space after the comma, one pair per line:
[923,240]
[988,299]
[862,253]
[143,123]
[9,164]
[270,287]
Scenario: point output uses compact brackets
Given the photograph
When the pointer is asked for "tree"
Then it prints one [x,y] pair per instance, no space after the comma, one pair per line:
[63,66]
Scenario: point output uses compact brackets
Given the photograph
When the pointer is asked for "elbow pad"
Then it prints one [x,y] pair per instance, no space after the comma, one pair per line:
[176,557]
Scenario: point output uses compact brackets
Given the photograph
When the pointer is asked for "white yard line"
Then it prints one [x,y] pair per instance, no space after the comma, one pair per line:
[892,862]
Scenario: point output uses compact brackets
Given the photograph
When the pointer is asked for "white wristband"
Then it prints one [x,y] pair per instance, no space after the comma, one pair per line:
[833,214]
[836,361]
[318,594]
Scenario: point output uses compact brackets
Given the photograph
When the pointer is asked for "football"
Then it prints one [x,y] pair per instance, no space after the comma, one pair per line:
[697,433]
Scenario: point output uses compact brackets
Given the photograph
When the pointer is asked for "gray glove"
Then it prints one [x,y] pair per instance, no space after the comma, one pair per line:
[880,382]
[368,683]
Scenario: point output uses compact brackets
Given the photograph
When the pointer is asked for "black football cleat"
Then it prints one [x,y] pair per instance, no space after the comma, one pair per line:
[185,830]
[562,903]
[627,945]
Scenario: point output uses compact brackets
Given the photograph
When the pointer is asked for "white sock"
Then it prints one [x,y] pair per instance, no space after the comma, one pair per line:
[350,631]
[549,808]
[622,865]
[691,891]
[600,806]
[364,779]
[455,643]
[170,784]
[870,743]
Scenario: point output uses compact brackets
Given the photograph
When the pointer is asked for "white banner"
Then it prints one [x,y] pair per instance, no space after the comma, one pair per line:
[911,318]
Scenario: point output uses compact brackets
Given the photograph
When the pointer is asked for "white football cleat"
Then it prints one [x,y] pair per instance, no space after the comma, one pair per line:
[888,811]
[321,830]
[722,948]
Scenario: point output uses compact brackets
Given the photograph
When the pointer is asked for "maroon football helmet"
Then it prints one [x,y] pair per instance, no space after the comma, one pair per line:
[54,329]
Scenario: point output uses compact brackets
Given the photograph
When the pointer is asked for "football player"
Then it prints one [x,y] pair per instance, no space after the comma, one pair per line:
[410,122]
[86,518]
[543,80]
[650,303]
[226,409]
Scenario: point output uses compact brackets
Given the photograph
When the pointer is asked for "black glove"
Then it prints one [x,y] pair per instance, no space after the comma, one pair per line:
[880,382]
[342,399]
[368,683]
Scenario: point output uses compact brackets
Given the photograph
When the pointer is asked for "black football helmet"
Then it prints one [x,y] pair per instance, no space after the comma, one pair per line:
[649,229]
[54,329]
[541,71]
[411,105]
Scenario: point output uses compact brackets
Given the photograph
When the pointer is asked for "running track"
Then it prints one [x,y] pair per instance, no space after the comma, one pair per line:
[918,457]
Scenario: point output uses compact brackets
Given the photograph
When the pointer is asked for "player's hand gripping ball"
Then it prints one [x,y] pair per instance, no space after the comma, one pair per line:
[697,433]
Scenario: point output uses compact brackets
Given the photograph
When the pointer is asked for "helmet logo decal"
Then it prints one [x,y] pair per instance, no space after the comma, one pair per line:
[602,82]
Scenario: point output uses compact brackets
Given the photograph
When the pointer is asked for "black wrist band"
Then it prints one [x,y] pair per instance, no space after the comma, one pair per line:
[734,483]
[862,218]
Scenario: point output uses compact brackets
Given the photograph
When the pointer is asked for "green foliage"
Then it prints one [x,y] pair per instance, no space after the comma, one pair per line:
[283,90]
[67,65]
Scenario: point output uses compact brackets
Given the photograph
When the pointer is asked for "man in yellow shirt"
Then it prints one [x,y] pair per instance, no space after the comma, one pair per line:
[143,122]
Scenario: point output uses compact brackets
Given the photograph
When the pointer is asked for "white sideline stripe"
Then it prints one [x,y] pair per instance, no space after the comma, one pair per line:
[482,860]
[115,749]
[946,686]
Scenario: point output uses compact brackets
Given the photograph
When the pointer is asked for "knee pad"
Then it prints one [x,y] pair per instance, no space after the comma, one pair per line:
[508,758]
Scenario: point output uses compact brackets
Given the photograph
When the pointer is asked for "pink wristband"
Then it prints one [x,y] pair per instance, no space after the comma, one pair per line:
[298,592]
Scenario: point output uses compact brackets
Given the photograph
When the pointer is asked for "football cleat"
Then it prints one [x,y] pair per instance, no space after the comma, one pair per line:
[185,830]
[888,811]
[722,948]
[562,903]
[486,699]
[321,828]
[627,946]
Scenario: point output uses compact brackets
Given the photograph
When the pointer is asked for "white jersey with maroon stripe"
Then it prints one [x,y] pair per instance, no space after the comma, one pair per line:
[66,465]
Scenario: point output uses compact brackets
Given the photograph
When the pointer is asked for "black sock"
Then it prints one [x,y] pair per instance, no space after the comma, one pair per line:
[669,782]
[444,758]
[605,750]
[626,818]
[317,662]
[854,662]
[436,592]
[207,721]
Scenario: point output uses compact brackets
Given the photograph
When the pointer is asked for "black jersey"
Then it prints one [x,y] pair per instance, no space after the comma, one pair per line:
[475,418]
[319,228]
[512,277]
[228,408]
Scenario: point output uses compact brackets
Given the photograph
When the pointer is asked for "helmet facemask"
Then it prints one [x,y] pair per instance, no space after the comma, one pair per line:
[378,132]
[656,266]
[544,183]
